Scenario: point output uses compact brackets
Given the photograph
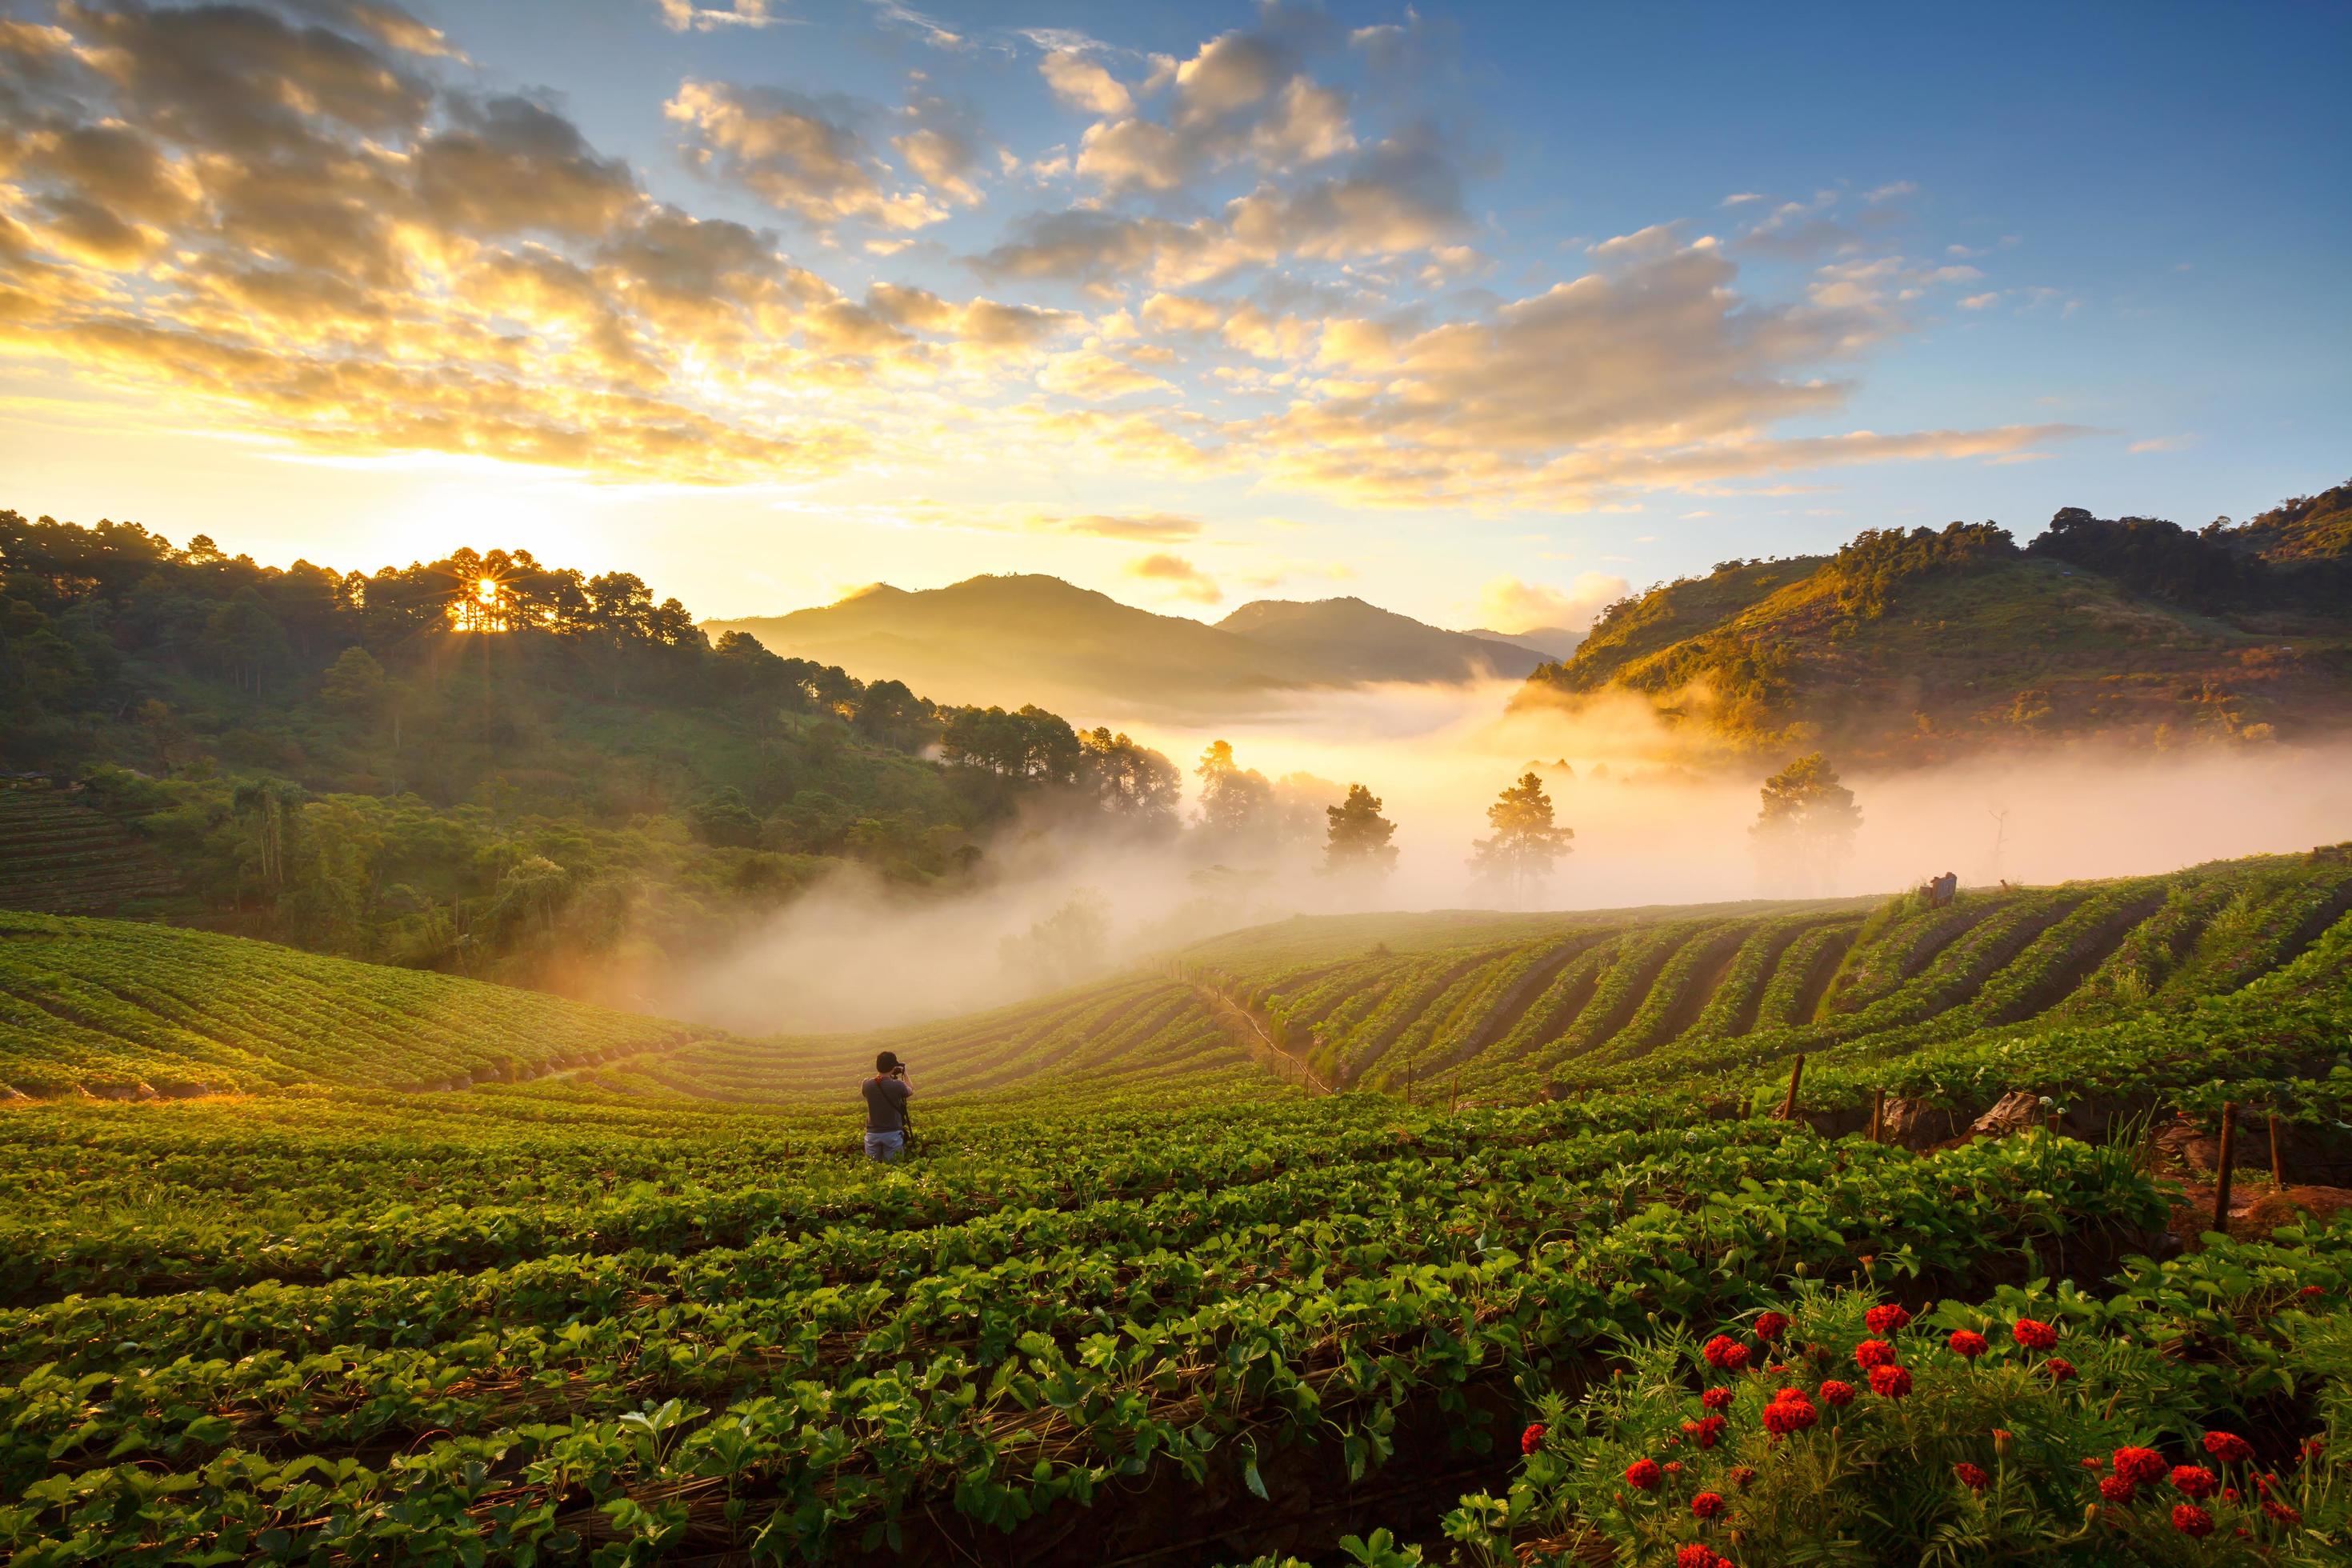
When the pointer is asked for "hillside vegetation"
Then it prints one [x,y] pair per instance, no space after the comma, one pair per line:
[480,763]
[1933,645]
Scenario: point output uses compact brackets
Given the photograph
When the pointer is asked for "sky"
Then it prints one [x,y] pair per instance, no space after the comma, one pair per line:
[1481,313]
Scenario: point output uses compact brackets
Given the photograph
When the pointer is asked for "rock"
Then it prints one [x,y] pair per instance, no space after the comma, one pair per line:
[2017,1112]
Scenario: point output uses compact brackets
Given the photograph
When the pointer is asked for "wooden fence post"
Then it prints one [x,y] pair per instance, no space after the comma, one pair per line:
[1453,1094]
[2222,1177]
[2278,1165]
[1796,1077]
[1878,1115]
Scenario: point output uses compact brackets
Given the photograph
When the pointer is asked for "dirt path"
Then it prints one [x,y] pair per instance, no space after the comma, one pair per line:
[1251,1034]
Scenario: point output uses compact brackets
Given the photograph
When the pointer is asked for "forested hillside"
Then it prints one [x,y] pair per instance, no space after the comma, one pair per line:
[479,764]
[1921,647]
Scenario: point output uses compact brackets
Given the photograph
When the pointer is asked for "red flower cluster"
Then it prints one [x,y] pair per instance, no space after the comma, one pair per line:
[1838,1393]
[2195,1480]
[1725,1352]
[2229,1447]
[2311,1292]
[1673,1466]
[1642,1473]
[1532,1439]
[1967,1343]
[1707,1505]
[2285,1514]
[1705,1432]
[1716,1398]
[1873,1353]
[2116,1489]
[1972,1476]
[2034,1335]
[2060,1369]
[2140,1466]
[1772,1325]
[1789,1412]
[1699,1554]
[2191,1521]
[1886,1320]
[1741,1475]
[1890,1382]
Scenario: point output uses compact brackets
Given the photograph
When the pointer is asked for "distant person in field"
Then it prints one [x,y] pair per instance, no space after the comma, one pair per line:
[886,1093]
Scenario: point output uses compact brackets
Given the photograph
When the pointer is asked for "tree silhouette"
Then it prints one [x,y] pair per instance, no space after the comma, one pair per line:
[1806,824]
[1520,855]
[1235,800]
[1357,841]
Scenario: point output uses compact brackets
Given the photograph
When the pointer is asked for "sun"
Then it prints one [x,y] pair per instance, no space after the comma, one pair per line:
[486,590]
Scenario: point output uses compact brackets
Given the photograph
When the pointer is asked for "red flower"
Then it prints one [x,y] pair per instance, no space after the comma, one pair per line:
[2190,1520]
[1887,1320]
[1725,1352]
[1695,1554]
[1707,1505]
[2229,1494]
[2311,1292]
[1789,1412]
[2094,1463]
[1716,1398]
[1642,1473]
[1890,1382]
[1710,1432]
[1967,1343]
[2116,1489]
[1673,1466]
[1532,1439]
[1741,1475]
[2000,1437]
[1838,1393]
[2229,1447]
[2263,1483]
[2140,1465]
[1971,1477]
[1873,1353]
[2060,1370]
[2313,1447]
[2034,1335]
[1772,1325]
[2195,1480]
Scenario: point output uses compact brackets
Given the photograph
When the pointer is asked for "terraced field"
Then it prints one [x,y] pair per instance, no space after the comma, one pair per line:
[1513,1008]
[62,858]
[131,1011]
[1170,1282]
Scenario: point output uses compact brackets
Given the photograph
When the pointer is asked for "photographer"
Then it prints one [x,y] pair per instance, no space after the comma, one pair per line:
[886,1093]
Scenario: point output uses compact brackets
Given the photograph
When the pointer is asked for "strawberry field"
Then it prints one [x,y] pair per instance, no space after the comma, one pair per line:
[1388,1239]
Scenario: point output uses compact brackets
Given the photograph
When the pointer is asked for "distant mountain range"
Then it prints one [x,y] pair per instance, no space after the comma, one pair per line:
[1031,638]
[1917,647]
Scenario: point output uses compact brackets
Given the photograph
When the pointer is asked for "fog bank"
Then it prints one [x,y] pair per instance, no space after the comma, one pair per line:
[854,955]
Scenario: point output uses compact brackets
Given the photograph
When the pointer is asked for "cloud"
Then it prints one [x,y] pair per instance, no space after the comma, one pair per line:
[681,16]
[1144,526]
[1183,314]
[1981,301]
[1509,605]
[1082,82]
[800,156]
[1888,193]
[2160,443]
[1096,376]
[1741,198]
[1182,578]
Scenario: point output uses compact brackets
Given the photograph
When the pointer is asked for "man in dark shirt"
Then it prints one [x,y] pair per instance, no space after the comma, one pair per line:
[886,1093]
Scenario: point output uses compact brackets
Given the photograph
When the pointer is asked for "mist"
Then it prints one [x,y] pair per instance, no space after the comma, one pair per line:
[1653,825]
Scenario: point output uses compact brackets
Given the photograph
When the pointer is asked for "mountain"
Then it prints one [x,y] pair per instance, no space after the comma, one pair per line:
[1018,638]
[1350,640]
[1918,648]
[1552,642]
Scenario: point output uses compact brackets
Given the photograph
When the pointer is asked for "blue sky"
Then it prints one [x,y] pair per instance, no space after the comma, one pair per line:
[1477,311]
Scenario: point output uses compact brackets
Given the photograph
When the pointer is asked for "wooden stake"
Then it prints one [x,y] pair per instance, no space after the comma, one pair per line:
[2222,1177]
[1796,1077]
[1878,1116]
[1454,1095]
[2278,1165]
